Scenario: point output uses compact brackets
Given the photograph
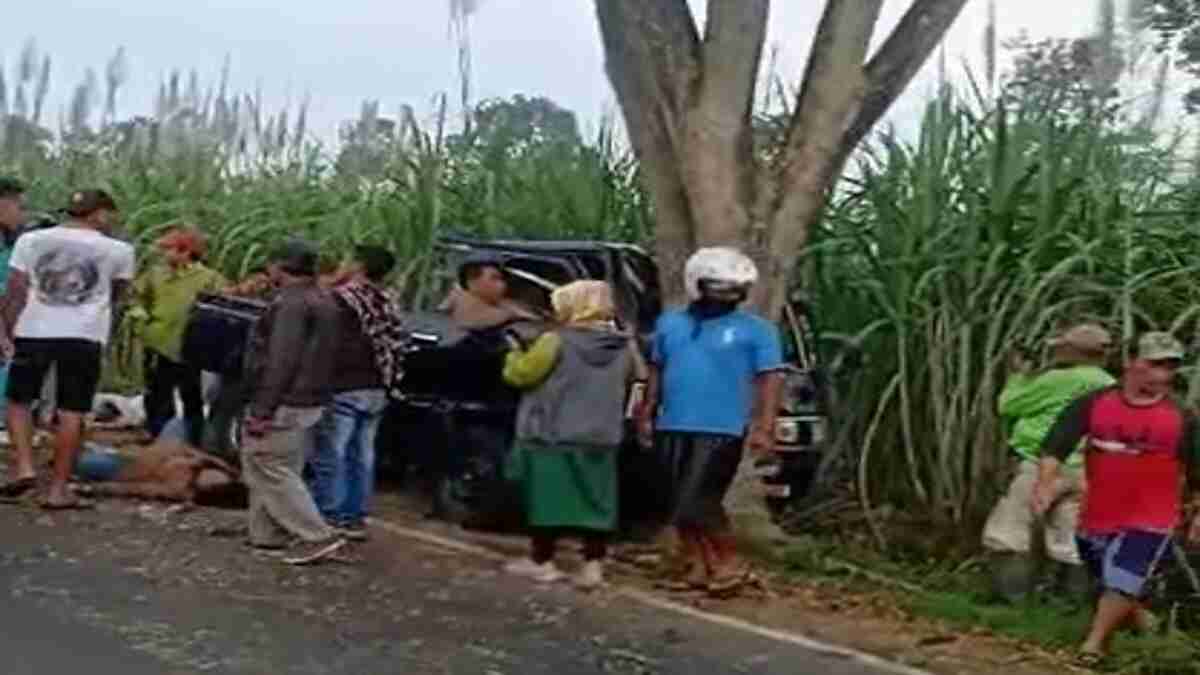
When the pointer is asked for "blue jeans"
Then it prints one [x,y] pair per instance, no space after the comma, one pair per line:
[342,455]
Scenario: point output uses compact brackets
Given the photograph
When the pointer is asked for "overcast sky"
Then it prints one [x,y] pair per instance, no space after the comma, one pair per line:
[400,51]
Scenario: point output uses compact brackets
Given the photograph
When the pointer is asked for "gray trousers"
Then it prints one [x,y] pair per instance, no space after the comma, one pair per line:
[280,504]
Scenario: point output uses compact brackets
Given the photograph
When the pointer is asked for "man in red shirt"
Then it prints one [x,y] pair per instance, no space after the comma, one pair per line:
[1139,446]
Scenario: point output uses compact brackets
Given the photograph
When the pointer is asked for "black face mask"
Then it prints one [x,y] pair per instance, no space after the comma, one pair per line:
[706,309]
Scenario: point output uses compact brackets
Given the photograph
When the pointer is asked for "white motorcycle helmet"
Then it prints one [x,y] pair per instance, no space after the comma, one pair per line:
[721,266]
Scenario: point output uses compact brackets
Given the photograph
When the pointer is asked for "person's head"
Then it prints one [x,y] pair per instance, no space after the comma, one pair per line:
[369,262]
[12,203]
[293,260]
[718,279]
[183,245]
[584,303]
[482,275]
[1151,368]
[93,208]
[1082,344]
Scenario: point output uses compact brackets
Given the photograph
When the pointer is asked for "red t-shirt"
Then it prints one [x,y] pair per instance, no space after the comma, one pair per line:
[1136,459]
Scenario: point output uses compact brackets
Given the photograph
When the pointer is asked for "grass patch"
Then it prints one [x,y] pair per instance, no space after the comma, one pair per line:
[955,593]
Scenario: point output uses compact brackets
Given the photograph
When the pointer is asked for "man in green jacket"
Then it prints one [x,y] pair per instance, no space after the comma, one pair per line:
[1029,405]
[165,294]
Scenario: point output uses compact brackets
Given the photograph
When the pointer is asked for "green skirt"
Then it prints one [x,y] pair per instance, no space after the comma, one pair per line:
[569,486]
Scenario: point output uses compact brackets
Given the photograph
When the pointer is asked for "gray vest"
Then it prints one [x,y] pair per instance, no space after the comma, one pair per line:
[582,402]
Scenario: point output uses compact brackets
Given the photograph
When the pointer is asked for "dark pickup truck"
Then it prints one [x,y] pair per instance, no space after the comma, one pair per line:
[454,391]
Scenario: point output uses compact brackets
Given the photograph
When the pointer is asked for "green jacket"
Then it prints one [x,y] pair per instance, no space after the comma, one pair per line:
[166,295]
[1030,404]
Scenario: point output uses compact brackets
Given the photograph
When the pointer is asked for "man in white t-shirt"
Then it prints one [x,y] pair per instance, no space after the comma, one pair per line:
[64,285]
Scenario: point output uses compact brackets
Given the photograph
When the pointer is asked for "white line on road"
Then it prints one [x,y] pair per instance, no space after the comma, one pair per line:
[650,600]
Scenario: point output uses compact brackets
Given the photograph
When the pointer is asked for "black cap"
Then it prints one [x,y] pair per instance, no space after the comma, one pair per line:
[86,202]
[296,256]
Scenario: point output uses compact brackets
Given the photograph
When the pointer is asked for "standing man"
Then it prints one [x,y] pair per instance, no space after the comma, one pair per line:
[64,287]
[1029,405]
[1139,446]
[12,218]
[367,364]
[713,391]
[164,294]
[480,300]
[291,369]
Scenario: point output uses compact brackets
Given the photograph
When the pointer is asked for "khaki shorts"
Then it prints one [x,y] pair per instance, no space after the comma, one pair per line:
[1011,525]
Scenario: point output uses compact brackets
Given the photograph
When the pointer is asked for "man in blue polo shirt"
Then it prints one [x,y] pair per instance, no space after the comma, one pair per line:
[713,392]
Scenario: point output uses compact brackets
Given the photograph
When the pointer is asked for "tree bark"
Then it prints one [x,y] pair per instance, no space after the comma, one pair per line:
[688,106]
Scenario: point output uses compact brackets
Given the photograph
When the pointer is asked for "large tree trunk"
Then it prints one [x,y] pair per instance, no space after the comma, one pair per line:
[688,103]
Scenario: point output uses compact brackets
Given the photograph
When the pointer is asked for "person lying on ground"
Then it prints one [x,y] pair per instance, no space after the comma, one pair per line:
[569,428]
[1029,405]
[168,470]
[1140,443]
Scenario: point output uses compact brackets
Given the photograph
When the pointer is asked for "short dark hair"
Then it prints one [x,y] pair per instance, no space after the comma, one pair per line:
[377,261]
[475,264]
[11,187]
[297,257]
[86,202]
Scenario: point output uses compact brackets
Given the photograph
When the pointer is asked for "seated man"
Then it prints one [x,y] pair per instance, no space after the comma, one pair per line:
[168,470]
[480,298]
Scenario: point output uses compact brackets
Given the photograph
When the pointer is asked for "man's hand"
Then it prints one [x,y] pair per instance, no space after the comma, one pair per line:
[645,427]
[1193,533]
[760,440]
[256,427]
[1018,363]
[7,347]
[1044,494]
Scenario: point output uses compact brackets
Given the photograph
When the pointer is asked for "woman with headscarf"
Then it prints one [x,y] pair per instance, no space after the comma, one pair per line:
[163,295]
[569,425]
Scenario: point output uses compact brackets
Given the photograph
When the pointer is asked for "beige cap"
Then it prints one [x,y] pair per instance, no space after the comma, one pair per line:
[1159,347]
[1088,337]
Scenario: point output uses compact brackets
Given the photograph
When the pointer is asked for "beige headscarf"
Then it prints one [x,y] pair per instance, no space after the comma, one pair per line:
[584,304]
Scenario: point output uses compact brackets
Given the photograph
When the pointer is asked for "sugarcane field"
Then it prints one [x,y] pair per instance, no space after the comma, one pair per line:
[486,337]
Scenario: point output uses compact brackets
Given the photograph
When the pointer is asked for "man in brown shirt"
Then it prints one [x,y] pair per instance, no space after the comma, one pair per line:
[290,381]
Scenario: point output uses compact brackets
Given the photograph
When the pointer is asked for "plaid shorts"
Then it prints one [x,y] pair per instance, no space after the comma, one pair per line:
[1123,562]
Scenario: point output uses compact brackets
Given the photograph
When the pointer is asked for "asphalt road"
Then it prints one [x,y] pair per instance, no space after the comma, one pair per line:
[129,591]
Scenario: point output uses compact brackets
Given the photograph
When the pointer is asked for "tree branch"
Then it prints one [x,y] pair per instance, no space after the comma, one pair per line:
[898,61]
[833,90]
[719,152]
[652,54]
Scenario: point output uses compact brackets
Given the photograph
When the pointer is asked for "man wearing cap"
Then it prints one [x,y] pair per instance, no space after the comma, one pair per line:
[1028,406]
[1139,444]
[290,381]
[64,287]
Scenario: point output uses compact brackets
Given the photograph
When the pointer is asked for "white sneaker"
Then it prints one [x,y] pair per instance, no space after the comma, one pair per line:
[590,576]
[546,573]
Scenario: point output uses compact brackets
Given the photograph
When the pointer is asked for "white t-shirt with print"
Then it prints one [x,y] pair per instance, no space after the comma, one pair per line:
[71,272]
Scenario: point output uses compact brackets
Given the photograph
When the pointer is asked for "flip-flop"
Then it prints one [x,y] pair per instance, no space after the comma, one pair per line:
[15,489]
[1091,660]
[77,504]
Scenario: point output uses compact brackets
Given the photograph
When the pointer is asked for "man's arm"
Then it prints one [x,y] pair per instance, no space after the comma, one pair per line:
[282,357]
[1062,440]
[15,299]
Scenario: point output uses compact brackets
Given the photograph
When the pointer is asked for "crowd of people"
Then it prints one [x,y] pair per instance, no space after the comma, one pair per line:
[328,355]
[1099,461]
[1102,466]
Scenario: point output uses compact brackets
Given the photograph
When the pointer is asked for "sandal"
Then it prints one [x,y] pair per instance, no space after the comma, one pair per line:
[15,489]
[728,585]
[1090,660]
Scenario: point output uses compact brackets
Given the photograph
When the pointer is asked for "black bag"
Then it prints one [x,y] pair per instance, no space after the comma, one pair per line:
[219,332]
